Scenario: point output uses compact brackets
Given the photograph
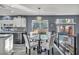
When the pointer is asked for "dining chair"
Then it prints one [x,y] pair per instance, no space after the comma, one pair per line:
[34,36]
[29,44]
[48,44]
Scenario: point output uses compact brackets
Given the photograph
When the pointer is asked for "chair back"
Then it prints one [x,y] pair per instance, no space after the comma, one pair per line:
[34,36]
[49,44]
[46,40]
[52,39]
[27,43]
[45,36]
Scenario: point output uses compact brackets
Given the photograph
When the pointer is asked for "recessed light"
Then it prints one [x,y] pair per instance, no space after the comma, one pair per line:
[10,5]
[12,11]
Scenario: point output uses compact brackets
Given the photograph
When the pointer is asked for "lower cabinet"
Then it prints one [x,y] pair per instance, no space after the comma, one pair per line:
[18,38]
[6,45]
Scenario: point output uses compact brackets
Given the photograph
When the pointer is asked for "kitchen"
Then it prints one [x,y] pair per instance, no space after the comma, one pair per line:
[27,19]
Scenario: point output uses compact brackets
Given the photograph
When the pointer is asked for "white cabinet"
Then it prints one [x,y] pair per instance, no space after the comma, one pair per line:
[19,21]
[9,44]
[6,44]
[23,22]
[16,22]
[7,23]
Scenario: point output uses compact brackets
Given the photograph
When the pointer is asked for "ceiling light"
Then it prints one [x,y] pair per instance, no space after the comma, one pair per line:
[39,17]
[12,11]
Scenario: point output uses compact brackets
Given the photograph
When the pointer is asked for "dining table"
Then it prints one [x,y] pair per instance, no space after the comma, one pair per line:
[39,38]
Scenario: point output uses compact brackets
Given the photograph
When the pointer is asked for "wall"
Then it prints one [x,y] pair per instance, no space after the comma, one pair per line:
[51,20]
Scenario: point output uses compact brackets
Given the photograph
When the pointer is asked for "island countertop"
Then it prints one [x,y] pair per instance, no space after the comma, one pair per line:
[3,36]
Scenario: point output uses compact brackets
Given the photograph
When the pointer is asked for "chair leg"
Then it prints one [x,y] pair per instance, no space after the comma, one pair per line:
[48,52]
[52,51]
[34,48]
[26,50]
[12,53]
[45,50]
[29,51]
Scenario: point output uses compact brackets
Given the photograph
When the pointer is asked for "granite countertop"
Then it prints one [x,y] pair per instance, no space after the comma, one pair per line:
[12,31]
[5,36]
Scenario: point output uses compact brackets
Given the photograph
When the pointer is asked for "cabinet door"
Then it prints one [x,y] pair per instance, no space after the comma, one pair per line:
[23,22]
[17,38]
[9,44]
[17,21]
[20,22]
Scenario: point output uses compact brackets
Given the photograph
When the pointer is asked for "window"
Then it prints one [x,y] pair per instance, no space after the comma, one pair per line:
[42,24]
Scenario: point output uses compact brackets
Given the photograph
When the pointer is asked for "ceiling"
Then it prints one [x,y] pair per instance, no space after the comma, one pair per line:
[45,9]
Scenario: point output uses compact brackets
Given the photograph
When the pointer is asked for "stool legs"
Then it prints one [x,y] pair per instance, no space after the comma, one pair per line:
[29,51]
[37,49]
[26,50]
[48,52]
[52,51]
[34,48]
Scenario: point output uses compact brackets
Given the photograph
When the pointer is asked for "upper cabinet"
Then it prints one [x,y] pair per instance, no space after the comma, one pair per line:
[23,22]
[18,21]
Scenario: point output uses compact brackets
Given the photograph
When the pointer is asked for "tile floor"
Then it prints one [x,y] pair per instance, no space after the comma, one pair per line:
[19,49]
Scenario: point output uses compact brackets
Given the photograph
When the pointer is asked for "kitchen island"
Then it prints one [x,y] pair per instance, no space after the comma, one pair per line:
[6,44]
[17,34]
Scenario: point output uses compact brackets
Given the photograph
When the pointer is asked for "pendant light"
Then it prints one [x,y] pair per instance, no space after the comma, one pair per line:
[39,17]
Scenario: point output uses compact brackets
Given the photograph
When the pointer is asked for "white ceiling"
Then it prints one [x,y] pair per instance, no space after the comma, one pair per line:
[46,9]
